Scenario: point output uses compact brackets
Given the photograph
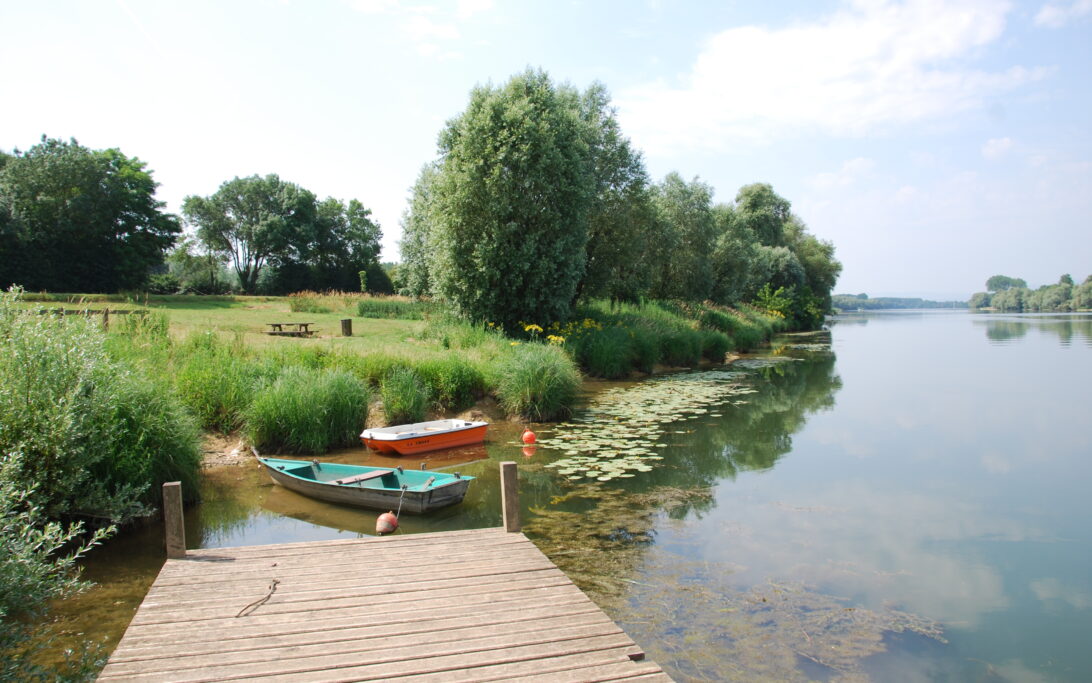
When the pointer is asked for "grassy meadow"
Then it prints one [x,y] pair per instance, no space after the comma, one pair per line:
[405,357]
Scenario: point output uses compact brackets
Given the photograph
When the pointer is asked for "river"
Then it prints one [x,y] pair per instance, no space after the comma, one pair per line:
[905,498]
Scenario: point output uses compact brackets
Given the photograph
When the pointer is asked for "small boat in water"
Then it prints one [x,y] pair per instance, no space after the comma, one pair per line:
[377,488]
[421,437]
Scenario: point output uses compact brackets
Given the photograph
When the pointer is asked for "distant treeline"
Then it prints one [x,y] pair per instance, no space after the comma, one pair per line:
[1007,294]
[849,302]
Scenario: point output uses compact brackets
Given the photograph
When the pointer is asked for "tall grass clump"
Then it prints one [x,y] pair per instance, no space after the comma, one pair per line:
[406,398]
[218,384]
[605,352]
[455,382]
[536,382]
[307,411]
[453,333]
[94,436]
[395,307]
[714,345]
[306,302]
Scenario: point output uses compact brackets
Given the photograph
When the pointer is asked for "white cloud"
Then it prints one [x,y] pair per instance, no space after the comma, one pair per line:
[1057,15]
[849,173]
[869,66]
[996,148]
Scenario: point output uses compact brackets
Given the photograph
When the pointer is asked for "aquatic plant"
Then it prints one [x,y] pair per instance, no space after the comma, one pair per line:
[405,397]
[307,411]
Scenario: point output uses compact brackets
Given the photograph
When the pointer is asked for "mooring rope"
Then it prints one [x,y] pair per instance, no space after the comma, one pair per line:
[400,497]
[259,602]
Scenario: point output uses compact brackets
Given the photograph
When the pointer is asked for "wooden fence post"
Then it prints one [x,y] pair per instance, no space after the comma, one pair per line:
[347,327]
[173,521]
[510,495]
[106,318]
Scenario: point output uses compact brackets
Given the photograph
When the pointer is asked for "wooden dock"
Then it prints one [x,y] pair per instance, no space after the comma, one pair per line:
[478,605]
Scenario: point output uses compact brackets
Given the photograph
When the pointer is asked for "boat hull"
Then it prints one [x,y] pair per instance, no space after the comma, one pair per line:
[449,491]
[423,437]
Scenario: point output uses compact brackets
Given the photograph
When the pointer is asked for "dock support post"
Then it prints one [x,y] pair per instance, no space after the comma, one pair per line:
[173,521]
[347,327]
[510,495]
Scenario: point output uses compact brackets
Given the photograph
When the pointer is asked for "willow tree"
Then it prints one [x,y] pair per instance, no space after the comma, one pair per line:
[510,204]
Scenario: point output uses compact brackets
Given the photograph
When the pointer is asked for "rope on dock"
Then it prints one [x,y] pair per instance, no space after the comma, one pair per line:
[246,611]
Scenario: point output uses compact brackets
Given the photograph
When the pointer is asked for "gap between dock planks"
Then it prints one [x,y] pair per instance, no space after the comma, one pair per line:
[475,605]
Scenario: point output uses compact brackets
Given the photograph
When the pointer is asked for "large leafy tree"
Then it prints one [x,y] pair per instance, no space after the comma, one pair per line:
[330,251]
[686,268]
[622,222]
[511,203]
[253,220]
[80,220]
[1000,283]
[414,277]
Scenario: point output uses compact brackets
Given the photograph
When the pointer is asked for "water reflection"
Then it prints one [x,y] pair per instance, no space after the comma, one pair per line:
[1001,328]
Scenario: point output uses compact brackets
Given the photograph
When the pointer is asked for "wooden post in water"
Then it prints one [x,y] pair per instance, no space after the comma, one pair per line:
[510,495]
[347,327]
[173,522]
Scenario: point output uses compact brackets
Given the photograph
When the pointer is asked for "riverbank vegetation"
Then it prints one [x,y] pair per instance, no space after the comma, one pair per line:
[862,302]
[1012,295]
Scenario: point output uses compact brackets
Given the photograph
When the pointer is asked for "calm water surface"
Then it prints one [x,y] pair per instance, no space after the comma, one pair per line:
[906,498]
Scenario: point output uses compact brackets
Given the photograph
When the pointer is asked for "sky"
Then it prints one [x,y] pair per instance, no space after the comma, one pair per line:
[934,142]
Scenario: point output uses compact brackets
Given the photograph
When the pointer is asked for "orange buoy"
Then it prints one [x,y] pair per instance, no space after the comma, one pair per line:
[386,523]
[528,451]
[528,436]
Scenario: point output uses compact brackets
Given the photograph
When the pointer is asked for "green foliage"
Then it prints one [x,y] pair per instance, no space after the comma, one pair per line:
[979,300]
[37,565]
[715,345]
[606,352]
[685,209]
[851,302]
[1000,283]
[536,382]
[81,220]
[259,221]
[96,435]
[622,221]
[217,382]
[406,398]
[416,244]
[394,307]
[511,203]
[455,382]
[308,411]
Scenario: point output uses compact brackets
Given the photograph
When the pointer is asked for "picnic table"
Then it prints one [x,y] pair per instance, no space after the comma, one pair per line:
[291,329]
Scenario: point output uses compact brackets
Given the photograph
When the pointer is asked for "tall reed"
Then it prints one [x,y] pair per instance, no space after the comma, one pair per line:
[307,411]
[536,382]
[405,397]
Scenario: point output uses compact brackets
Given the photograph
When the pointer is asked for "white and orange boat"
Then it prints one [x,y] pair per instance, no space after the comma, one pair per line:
[421,437]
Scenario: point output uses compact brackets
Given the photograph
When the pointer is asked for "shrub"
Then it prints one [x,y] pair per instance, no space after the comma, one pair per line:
[34,572]
[308,411]
[96,435]
[405,396]
[536,382]
[680,346]
[455,382]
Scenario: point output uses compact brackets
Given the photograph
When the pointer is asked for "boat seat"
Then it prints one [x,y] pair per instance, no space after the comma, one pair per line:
[363,477]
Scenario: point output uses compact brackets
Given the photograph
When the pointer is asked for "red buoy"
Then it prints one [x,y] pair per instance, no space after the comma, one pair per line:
[386,523]
[528,436]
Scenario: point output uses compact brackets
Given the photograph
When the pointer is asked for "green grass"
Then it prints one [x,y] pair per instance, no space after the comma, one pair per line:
[307,411]
[406,398]
[536,382]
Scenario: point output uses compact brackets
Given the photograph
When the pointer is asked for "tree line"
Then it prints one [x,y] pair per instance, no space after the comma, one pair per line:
[536,200]
[1011,294]
[74,219]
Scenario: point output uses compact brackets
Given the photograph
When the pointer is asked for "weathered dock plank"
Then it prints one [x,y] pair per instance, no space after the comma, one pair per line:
[474,605]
